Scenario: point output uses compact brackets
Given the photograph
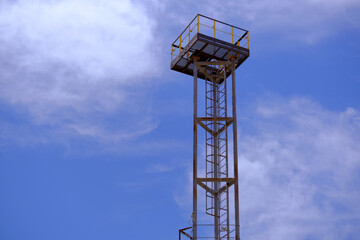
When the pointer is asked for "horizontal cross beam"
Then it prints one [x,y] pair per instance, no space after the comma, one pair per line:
[229,183]
[215,119]
[218,132]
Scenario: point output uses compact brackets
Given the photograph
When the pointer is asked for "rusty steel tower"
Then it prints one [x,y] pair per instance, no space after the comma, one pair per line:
[212,50]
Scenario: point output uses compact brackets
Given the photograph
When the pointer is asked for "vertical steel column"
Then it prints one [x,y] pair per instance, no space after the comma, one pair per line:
[195,154]
[236,184]
[227,159]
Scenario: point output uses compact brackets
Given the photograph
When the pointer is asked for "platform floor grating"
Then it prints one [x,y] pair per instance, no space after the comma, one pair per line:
[207,49]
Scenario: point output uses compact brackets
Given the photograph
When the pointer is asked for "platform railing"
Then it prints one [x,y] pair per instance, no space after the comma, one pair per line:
[210,27]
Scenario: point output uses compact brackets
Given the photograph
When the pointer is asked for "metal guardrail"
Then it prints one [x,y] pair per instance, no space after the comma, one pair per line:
[211,27]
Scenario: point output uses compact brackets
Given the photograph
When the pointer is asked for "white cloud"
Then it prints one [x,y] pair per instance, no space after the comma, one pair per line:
[65,61]
[299,172]
[99,39]
[308,21]
[299,168]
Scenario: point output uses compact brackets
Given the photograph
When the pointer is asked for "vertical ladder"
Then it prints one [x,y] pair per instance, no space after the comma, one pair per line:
[217,158]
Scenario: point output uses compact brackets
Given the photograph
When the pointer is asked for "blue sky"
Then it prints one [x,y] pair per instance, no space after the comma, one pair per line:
[96,131]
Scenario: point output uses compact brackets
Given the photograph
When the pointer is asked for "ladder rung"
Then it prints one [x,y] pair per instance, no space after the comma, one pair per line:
[211,145]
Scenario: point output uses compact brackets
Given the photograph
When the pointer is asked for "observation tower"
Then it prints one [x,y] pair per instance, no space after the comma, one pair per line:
[212,50]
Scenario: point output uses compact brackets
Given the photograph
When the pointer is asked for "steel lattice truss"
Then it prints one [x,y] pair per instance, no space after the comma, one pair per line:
[214,60]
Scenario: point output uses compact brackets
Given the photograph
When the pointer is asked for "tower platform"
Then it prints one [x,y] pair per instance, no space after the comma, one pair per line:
[208,43]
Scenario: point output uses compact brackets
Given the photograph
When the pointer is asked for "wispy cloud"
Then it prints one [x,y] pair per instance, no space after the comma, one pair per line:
[66,62]
[299,172]
[308,21]
[160,168]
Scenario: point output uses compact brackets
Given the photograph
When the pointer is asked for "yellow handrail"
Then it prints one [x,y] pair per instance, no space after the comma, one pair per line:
[190,28]
[214,30]
[172,50]
[189,32]
[232,35]
[198,23]
[248,40]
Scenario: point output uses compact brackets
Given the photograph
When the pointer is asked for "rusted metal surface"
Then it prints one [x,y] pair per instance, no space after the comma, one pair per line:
[208,49]
[213,60]
[194,213]
[235,151]
[217,180]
